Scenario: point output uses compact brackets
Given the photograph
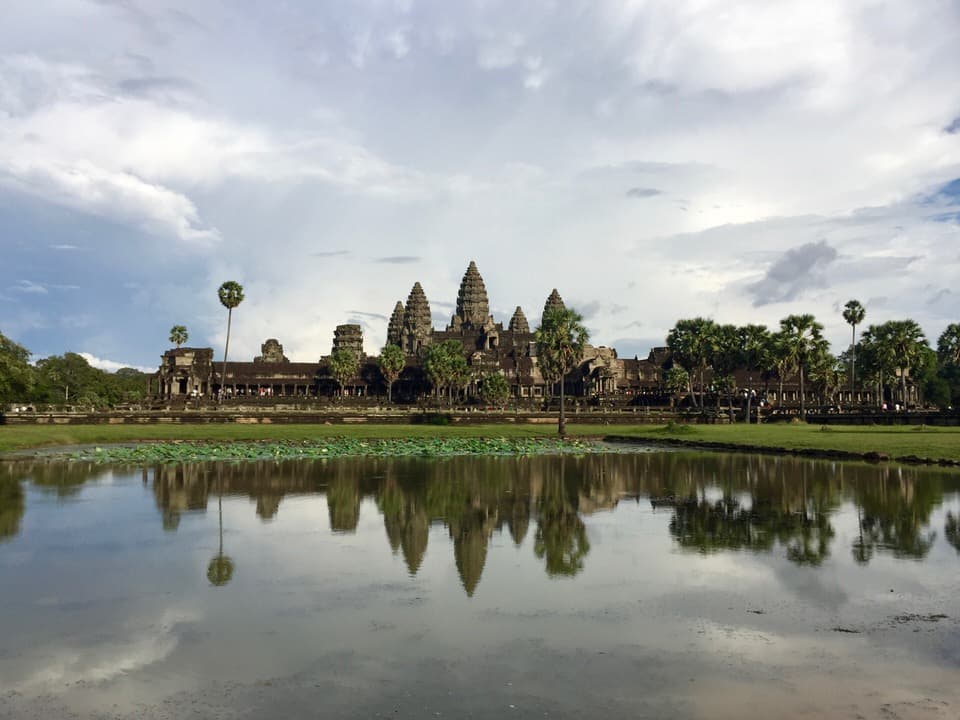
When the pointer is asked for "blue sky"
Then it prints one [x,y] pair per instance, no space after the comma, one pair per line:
[651,160]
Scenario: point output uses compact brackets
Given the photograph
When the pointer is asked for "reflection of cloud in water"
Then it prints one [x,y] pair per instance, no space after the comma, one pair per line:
[110,659]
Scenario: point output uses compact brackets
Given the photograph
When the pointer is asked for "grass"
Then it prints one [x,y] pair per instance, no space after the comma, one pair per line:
[895,441]
[892,440]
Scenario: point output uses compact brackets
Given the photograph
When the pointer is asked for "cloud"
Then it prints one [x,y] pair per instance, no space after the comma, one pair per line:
[29,287]
[111,365]
[65,246]
[641,192]
[795,272]
[954,127]
[331,253]
[398,259]
[370,315]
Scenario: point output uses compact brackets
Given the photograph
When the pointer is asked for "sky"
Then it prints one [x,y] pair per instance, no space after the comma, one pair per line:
[737,159]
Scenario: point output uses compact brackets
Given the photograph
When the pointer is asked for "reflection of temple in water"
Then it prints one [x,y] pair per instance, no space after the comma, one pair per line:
[715,502]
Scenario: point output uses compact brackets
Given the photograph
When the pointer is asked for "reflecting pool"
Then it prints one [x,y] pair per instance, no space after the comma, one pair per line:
[653,584]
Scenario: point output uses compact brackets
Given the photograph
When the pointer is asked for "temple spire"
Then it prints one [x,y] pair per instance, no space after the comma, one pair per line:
[395,328]
[417,321]
[518,323]
[473,307]
[554,301]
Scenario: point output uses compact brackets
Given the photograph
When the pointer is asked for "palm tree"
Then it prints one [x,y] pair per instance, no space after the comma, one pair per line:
[179,335]
[853,313]
[343,367]
[231,295]
[561,339]
[391,363]
[691,343]
[803,340]
[907,343]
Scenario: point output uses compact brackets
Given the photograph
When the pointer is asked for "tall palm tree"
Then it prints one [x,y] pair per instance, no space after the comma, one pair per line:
[907,344]
[231,295]
[853,313]
[691,342]
[179,335]
[561,339]
[391,363]
[803,339]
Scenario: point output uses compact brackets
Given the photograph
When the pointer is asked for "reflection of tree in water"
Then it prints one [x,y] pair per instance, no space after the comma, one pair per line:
[11,507]
[951,530]
[220,569]
[894,513]
[561,537]
[762,506]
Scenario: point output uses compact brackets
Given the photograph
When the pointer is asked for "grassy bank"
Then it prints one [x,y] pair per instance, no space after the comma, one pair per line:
[894,441]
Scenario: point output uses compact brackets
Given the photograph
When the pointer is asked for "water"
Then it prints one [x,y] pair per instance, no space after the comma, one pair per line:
[670,584]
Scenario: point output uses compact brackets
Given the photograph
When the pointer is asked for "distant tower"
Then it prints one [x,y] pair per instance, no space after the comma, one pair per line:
[348,337]
[417,322]
[395,328]
[518,323]
[473,307]
[554,301]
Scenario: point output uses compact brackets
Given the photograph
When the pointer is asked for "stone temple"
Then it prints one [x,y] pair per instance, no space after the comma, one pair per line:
[487,346]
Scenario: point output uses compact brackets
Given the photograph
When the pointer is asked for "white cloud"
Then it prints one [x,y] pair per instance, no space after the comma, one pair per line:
[110,365]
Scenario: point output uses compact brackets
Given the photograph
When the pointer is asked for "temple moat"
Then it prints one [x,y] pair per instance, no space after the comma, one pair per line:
[653,584]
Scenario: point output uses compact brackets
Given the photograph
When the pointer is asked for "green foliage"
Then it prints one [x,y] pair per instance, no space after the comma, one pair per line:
[802,344]
[179,335]
[343,367]
[17,377]
[495,389]
[446,366]
[230,294]
[336,447]
[220,570]
[391,363]
[561,339]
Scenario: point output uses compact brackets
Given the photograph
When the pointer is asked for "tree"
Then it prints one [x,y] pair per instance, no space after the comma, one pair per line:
[677,381]
[179,335]
[391,363]
[877,359]
[17,377]
[231,295]
[803,341]
[853,313]
[343,367]
[494,389]
[446,366]
[691,344]
[561,339]
[908,344]
[948,345]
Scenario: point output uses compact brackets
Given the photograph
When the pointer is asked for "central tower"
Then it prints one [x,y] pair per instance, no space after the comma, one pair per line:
[473,307]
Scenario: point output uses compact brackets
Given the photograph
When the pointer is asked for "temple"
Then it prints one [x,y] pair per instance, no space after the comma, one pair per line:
[487,346]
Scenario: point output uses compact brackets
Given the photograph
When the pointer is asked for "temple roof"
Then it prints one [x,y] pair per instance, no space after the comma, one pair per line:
[554,301]
[416,315]
[518,323]
[473,307]
[395,328]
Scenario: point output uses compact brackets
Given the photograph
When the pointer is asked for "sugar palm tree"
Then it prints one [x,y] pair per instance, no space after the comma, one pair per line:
[803,340]
[853,313]
[179,335]
[561,339]
[391,363]
[231,295]
[908,342]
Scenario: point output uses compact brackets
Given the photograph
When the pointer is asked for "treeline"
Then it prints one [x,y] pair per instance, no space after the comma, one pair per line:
[892,361]
[66,379]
